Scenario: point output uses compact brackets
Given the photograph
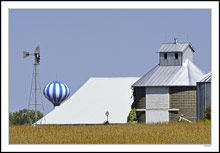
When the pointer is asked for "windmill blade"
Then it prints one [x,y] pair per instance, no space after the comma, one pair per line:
[37,50]
[25,54]
[37,54]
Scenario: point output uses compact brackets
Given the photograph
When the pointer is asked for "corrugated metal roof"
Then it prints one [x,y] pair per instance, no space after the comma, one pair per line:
[206,78]
[186,75]
[174,47]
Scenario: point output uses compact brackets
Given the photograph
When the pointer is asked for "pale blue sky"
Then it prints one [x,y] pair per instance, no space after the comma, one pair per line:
[79,44]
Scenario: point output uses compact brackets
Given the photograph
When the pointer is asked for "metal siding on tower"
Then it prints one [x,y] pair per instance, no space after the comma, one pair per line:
[200,96]
[170,61]
[188,54]
[203,95]
[184,51]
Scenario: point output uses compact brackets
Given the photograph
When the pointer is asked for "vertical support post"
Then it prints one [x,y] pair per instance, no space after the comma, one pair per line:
[35,90]
[197,101]
[205,98]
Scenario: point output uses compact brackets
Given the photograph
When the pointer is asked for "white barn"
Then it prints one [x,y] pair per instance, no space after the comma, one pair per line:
[89,104]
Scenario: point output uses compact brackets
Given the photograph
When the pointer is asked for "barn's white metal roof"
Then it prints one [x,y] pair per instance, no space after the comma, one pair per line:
[175,47]
[186,75]
[206,78]
[90,103]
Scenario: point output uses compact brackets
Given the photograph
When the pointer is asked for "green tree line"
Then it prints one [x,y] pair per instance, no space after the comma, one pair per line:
[23,117]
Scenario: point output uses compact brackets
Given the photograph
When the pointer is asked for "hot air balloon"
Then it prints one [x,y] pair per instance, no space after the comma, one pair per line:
[56,92]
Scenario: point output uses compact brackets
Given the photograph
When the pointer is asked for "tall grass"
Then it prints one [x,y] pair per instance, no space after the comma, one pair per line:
[171,133]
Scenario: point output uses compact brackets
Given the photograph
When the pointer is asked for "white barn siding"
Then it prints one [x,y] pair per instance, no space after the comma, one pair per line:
[157,104]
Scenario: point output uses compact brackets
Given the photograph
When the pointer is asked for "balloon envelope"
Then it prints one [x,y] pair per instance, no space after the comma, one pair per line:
[56,92]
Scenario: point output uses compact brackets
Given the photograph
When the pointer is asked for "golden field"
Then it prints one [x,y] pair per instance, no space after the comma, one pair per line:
[171,133]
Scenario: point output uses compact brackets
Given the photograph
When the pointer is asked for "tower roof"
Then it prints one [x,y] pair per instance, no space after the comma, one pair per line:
[175,47]
[186,75]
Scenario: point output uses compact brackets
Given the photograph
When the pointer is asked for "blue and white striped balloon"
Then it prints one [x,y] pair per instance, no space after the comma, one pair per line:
[56,92]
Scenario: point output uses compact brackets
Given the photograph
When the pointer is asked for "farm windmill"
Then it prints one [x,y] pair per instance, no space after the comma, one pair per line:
[35,79]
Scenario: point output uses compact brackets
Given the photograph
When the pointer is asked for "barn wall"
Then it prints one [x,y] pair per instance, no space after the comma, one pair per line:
[157,104]
[184,99]
[203,98]
[139,103]
[139,98]
[141,116]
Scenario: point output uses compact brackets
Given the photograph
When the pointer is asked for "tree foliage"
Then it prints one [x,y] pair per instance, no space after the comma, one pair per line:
[208,113]
[23,117]
[132,116]
[10,119]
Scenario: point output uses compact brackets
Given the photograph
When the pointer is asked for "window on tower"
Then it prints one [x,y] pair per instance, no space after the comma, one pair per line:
[176,55]
[165,55]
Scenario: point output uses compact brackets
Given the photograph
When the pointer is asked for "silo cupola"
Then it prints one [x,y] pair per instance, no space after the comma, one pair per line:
[174,54]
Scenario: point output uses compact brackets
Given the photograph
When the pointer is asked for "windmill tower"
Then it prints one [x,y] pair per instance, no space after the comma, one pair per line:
[36,80]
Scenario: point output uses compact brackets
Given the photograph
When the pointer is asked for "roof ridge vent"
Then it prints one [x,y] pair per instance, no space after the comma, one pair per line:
[175,41]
